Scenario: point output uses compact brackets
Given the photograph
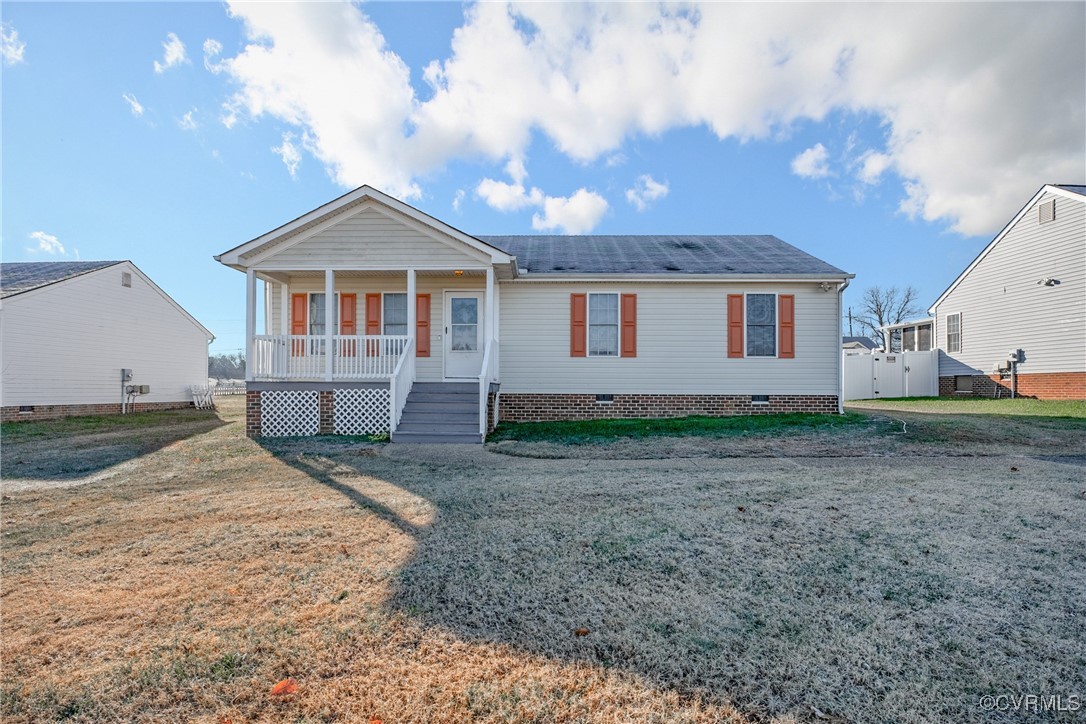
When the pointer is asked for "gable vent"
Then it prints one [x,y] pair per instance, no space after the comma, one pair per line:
[126,279]
[1046,211]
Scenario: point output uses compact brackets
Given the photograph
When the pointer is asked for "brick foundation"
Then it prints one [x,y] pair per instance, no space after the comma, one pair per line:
[1039,386]
[252,413]
[326,405]
[53,412]
[532,407]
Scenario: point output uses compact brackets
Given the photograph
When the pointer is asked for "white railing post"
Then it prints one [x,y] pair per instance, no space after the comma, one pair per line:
[329,320]
[250,321]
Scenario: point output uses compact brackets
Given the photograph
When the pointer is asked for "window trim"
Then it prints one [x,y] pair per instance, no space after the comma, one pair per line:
[384,313]
[776,326]
[309,314]
[588,325]
[946,335]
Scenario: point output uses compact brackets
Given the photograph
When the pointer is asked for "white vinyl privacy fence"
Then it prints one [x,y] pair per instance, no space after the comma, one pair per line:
[897,374]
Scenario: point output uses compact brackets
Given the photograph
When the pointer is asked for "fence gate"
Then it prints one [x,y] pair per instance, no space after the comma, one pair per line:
[869,376]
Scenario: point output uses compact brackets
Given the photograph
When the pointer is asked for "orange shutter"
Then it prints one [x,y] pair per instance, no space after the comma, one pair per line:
[786,326]
[348,322]
[578,331]
[298,322]
[422,325]
[373,322]
[735,325]
[629,325]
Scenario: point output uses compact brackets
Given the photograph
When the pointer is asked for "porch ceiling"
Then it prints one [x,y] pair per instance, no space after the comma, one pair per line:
[384,274]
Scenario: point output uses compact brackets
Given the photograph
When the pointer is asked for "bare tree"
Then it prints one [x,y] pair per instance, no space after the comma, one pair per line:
[880,307]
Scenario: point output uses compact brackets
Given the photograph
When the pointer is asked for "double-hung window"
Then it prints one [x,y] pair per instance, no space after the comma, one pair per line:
[602,325]
[761,325]
[954,332]
[316,321]
[395,314]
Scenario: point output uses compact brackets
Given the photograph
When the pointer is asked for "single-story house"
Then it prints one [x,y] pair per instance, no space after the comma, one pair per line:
[93,337]
[1015,319]
[381,318]
[858,344]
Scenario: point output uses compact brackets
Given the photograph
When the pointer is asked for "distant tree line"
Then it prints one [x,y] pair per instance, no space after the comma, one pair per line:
[226,366]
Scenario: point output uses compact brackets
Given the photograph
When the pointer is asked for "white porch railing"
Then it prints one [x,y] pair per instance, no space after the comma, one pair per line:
[399,386]
[488,374]
[302,357]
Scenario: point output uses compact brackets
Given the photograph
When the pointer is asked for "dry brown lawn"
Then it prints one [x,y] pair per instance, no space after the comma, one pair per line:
[178,571]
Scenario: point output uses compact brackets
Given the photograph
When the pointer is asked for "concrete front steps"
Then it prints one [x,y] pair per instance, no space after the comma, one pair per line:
[440,412]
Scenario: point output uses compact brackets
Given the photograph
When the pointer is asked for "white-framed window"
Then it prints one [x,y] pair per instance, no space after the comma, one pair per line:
[394,314]
[954,332]
[316,314]
[761,325]
[603,324]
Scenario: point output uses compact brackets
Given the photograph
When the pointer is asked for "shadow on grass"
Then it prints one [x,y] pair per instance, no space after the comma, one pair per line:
[76,447]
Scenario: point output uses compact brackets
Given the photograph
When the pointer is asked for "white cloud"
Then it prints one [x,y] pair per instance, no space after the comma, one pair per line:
[812,163]
[133,105]
[590,77]
[212,50]
[11,47]
[872,165]
[458,198]
[508,197]
[187,122]
[173,53]
[646,190]
[47,244]
[576,214]
[290,155]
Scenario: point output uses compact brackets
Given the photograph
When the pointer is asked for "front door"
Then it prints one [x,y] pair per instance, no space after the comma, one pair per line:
[463,334]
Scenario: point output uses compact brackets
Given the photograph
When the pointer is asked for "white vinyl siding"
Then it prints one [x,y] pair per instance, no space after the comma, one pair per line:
[65,344]
[1004,307]
[681,342]
[603,325]
[374,240]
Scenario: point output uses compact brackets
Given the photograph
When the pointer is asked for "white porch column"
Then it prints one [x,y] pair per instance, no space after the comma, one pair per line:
[411,307]
[250,322]
[489,319]
[329,321]
[284,309]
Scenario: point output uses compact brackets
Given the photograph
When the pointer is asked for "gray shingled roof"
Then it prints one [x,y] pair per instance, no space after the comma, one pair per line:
[865,341]
[1081,190]
[19,277]
[659,255]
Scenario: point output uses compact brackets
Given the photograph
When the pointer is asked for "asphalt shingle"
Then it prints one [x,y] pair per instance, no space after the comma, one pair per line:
[659,254]
[19,277]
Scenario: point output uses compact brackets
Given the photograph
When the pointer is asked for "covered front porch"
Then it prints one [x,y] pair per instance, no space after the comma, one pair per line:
[372,339]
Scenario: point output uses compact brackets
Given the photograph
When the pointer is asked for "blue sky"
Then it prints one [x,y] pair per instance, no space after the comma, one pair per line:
[893,141]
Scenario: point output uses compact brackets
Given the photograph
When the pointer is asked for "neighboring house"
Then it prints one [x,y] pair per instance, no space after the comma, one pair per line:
[914,336]
[858,344]
[434,333]
[70,327]
[1024,295]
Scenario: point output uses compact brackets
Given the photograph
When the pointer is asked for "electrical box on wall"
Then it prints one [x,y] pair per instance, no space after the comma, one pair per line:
[126,375]
[145,389]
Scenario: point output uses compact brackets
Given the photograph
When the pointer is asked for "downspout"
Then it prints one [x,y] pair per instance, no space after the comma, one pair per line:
[840,382]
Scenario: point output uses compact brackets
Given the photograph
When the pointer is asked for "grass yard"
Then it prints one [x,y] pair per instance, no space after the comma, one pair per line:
[895,567]
[976,406]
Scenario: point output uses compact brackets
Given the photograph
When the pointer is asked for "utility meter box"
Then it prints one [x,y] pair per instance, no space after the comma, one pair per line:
[126,375]
[144,389]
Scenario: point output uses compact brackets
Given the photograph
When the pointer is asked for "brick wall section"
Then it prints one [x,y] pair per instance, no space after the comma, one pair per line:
[491,399]
[1040,386]
[53,412]
[531,407]
[326,405]
[252,413]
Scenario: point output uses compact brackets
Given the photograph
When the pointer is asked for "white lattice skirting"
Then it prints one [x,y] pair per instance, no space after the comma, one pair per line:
[361,411]
[289,412]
